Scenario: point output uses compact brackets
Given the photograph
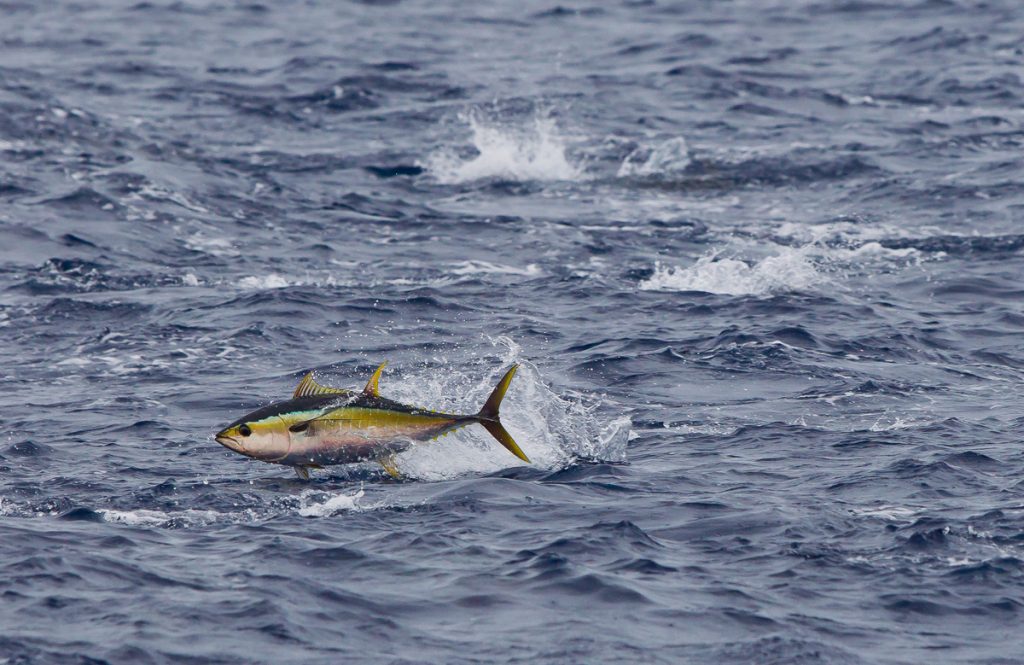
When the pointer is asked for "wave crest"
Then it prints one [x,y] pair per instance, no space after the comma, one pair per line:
[788,271]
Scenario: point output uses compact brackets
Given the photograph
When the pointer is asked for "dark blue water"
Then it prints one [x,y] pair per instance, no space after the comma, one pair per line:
[760,261]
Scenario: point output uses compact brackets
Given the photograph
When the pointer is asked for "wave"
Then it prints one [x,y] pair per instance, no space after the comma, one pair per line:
[464,268]
[809,267]
[790,270]
[417,277]
[310,502]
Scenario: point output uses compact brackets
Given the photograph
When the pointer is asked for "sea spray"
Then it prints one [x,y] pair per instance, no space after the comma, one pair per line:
[554,430]
[534,150]
[666,158]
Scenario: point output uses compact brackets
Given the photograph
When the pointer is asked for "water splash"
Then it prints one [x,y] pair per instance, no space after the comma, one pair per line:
[671,156]
[320,504]
[552,430]
[529,152]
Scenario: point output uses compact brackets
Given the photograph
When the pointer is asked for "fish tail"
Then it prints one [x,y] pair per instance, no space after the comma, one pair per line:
[504,438]
[488,416]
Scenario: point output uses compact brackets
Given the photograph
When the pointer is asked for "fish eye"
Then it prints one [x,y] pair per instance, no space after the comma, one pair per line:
[244,430]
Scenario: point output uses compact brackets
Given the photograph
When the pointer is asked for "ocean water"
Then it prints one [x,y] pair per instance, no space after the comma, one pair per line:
[761,263]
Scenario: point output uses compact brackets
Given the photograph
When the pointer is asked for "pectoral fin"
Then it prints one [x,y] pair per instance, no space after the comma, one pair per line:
[371,385]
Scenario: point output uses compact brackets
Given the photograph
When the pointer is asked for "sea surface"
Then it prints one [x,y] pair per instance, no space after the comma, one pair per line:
[760,262]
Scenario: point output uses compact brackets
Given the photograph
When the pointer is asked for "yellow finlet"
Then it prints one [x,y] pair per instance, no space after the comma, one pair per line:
[309,387]
[388,464]
[372,385]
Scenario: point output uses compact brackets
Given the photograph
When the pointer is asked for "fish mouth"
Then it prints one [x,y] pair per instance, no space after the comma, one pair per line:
[229,442]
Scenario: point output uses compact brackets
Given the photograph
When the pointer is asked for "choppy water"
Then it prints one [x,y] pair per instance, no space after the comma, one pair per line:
[761,262]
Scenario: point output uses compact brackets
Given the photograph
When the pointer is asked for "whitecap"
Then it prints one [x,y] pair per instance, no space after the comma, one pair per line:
[144,517]
[790,270]
[484,268]
[887,512]
[872,249]
[261,282]
[534,151]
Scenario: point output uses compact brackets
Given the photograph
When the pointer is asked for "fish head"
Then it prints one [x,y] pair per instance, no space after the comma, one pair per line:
[233,436]
[257,435]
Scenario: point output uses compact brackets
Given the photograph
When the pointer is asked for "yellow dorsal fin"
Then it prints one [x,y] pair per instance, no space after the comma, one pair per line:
[372,387]
[309,387]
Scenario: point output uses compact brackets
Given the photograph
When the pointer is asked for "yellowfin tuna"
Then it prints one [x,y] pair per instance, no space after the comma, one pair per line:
[320,426]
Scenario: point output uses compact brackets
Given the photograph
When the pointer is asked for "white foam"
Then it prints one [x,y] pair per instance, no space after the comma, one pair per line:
[790,270]
[870,250]
[891,513]
[671,156]
[534,151]
[261,282]
[280,281]
[158,193]
[974,533]
[310,503]
[741,267]
[143,517]
[313,504]
[484,268]
[888,423]
[215,246]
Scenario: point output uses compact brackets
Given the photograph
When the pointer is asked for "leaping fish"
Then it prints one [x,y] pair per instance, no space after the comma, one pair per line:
[321,426]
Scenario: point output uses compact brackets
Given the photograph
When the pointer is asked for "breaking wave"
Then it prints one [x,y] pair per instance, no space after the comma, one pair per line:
[809,267]
[788,271]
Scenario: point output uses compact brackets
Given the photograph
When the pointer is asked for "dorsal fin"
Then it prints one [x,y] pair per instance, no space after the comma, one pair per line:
[308,387]
[372,387]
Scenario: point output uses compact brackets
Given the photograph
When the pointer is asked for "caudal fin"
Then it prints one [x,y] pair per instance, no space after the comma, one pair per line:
[488,416]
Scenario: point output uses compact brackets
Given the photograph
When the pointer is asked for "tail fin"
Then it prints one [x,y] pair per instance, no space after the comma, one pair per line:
[488,416]
[504,438]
